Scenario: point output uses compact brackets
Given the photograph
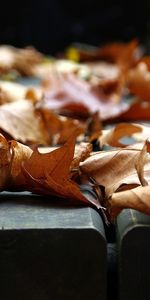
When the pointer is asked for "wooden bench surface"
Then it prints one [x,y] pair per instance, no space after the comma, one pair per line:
[50,250]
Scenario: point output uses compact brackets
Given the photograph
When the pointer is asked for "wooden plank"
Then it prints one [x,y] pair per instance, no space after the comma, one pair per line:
[133,237]
[49,250]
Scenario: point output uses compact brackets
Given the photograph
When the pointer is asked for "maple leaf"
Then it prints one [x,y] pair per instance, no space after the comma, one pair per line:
[49,173]
[42,173]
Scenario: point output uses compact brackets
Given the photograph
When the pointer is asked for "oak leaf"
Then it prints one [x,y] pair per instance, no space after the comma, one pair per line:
[114,169]
[137,198]
[44,173]
[140,161]
[48,173]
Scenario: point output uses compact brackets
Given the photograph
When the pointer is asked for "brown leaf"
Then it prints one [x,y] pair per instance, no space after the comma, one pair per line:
[60,128]
[49,173]
[82,151]
[46,174]
[137,198]
[112,136]
[5,161]
[139,81]
[12,156]
[123,53]
[140,161]
[67,90]
[20,121]
[22,60]
[113,169]
[136,111]
[94,127]
[144,134]
[20,153]
[12,91]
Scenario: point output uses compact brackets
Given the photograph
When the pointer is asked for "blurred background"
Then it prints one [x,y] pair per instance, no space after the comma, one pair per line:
[52,25]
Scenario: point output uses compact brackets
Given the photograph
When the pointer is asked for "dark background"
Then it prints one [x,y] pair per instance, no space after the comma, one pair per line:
[50,25]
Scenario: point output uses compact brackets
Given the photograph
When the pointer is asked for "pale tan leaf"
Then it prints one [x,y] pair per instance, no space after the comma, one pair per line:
[20,121]
[137,198]
[141,158]
[113,169]
[112,136]
[82,151]
[12,91]
[20,153]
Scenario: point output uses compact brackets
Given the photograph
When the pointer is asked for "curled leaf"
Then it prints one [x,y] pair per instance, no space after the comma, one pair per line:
[20,120]
[140,161]
[112,136]
[139,81]
[137,198]
[113,169]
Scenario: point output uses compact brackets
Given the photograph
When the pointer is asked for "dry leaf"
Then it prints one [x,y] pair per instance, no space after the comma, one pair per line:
[122,53]
[20,120]
[137,198]
[112,136]
[139,81]
[49,173]
[60,128]
[21,60]
[94,127]
[140,161]
[24,169]
[144,134]
[5,161]
[67,91]
[12,91]
[113,169]
[135,111]
[82,151]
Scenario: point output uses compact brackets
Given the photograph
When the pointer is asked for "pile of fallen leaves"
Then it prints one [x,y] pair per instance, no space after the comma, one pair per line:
[55,138]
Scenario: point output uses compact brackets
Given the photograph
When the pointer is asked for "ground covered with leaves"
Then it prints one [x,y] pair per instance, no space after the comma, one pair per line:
[83,126]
